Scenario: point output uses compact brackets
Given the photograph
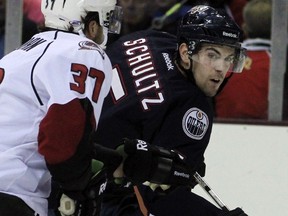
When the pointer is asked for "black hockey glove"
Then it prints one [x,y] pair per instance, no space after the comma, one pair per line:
[87,202]
[145,162]
[236,212]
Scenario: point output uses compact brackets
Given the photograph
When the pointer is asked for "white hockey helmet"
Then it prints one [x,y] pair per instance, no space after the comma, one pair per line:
[69,14]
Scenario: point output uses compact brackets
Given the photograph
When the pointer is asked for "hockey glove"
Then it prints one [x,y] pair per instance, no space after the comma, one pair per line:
[87,202]
[145,162]
[236,212]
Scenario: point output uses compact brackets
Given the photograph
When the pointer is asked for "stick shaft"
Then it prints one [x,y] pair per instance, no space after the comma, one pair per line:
[208,189]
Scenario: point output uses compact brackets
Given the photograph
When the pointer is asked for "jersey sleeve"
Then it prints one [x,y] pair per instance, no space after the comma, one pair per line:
[64,141]
[71,86]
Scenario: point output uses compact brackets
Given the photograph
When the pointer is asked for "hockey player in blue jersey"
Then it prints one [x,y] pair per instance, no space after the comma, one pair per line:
[160,93]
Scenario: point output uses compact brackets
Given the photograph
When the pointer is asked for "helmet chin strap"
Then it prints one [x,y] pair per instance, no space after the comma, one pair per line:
[105,38]
[188,72]
[81,33]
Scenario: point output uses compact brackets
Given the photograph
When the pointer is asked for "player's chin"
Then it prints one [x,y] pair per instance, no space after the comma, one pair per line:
[211,92]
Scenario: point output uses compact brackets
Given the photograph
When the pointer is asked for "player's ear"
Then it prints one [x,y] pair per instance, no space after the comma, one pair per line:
[94,32]
[183,51]
[93,29]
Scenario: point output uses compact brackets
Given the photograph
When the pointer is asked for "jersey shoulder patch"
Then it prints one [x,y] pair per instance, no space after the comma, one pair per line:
[88,45]
[195,123]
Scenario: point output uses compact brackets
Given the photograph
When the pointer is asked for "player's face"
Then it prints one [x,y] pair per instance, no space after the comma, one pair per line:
[210,66]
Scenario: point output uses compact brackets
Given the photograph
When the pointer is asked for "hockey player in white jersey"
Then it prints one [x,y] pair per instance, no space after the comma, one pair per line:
[51,94]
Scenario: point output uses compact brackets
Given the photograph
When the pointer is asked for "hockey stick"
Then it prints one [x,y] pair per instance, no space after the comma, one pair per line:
[158,22]
[212,194]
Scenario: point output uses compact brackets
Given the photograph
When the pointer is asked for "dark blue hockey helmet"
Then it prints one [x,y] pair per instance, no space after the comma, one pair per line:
[204,24]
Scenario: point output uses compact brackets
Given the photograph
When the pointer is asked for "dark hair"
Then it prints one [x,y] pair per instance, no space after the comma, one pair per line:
[257,19]
[91,16]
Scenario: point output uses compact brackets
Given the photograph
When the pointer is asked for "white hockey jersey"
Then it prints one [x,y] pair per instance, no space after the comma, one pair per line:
[54,67]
